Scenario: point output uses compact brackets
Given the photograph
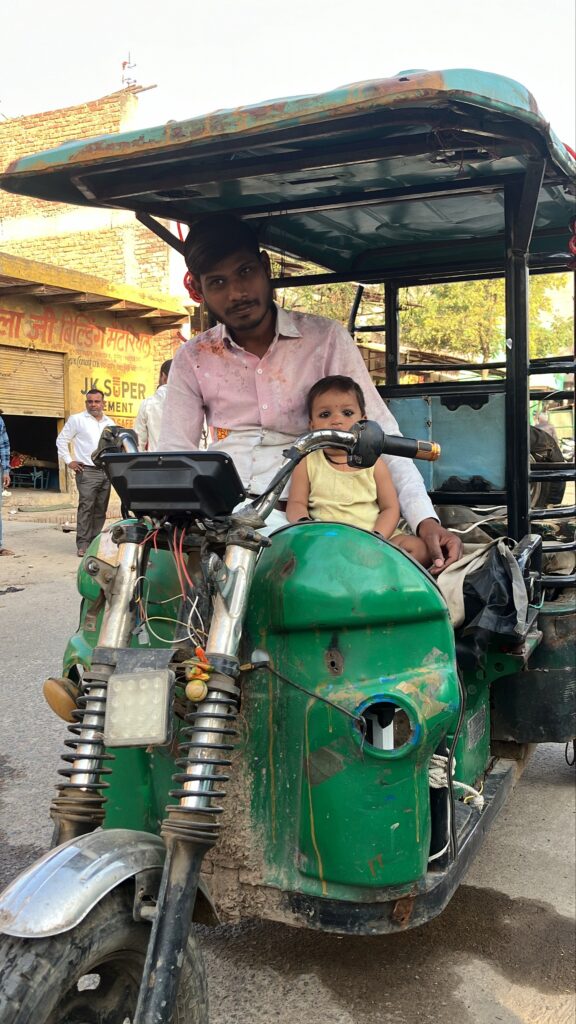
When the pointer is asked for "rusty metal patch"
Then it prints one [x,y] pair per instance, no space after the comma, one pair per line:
[402,911]
[334,661]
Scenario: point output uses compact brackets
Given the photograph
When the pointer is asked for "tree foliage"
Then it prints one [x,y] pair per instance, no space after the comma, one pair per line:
[465,319]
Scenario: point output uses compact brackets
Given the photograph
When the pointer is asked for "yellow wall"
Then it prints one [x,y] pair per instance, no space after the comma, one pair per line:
[118,356]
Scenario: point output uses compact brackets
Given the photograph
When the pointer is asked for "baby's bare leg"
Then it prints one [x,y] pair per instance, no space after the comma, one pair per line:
[415,547]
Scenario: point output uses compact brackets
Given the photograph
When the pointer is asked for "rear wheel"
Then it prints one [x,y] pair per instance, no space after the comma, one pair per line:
[91,975]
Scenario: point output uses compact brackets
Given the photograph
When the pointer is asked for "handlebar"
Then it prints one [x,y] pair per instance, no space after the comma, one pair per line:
[365,442]
[114,439]
[371,442]
[410,448]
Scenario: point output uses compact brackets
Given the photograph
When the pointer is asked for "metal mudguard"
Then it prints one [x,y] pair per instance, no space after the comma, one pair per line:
[60,889]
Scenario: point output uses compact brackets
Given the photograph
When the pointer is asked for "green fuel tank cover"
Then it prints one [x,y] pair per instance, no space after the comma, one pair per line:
[366,632]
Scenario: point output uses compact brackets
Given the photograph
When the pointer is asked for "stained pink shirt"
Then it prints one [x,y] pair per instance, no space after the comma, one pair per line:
[255,407]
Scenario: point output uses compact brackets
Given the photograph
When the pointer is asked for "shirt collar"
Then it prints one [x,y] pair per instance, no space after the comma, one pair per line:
[104,418]
[285,324]
[285,327]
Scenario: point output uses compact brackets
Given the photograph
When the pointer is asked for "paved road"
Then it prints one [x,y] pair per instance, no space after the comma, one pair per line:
[502,953]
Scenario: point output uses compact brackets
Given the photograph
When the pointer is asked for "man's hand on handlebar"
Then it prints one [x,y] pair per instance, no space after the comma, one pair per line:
[444,547]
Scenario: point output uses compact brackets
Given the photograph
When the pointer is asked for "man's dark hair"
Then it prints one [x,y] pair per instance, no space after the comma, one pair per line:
[94,391]
[165,368]
[215,237]
[336,382]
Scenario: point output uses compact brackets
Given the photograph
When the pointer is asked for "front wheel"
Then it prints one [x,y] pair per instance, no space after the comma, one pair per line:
[91,975]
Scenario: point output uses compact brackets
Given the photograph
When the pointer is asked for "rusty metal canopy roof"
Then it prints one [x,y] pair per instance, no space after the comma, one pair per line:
[52,285]
[380,177]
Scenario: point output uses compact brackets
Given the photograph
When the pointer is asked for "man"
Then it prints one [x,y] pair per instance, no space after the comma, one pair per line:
[149,416]
[543,423]
[251,373]
[5,466]
[83,431]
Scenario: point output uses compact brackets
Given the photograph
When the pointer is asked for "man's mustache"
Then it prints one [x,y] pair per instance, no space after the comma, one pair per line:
[239,307]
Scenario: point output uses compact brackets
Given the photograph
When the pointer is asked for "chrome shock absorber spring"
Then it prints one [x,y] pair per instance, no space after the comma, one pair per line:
[207,744]
[79,805]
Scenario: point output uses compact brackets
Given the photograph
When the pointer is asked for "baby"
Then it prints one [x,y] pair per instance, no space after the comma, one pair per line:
[326,488]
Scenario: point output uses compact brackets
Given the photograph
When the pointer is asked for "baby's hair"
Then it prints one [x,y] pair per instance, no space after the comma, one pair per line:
[336,382]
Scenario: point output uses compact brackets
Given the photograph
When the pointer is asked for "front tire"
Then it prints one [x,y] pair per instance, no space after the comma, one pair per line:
[91,975]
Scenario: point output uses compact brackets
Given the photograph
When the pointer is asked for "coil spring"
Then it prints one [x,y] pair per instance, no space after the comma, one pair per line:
[83,801]
[203,761]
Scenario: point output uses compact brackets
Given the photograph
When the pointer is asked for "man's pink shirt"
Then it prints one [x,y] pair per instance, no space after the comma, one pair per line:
[255,407]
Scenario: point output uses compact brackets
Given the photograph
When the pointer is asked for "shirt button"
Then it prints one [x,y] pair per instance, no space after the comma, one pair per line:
[259,370]
[264,406]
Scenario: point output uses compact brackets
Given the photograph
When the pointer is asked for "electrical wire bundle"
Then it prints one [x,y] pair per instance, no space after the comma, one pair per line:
[190,622]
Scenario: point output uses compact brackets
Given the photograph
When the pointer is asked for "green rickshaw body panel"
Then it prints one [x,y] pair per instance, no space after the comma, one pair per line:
[161,585]
[472,751]
[138,787]
[356,622]
[328,600]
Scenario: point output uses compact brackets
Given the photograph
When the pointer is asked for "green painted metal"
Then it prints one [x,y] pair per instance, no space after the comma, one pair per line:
[356,622]
[479,89]
[302,168]
[138,786]
[162,584]
[472,751]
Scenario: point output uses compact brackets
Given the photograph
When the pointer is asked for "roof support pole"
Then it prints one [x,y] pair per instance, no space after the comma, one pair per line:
[161,231]
[520,201]
[354,310]
[392,321]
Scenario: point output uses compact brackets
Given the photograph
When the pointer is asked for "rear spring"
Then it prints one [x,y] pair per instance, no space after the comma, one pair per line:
[206,748]
[80,799]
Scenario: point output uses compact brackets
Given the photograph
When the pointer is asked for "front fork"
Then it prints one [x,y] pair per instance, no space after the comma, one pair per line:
[191,826]
[79,806]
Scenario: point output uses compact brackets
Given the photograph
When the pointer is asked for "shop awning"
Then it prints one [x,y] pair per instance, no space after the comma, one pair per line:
[52,285]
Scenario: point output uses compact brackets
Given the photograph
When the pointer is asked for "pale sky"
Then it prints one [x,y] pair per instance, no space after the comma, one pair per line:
[224,54]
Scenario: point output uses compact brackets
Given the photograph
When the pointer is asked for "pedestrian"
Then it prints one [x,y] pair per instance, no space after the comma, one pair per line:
[82,431]
[149,416]
[543,423]
[250,374]
[5,464]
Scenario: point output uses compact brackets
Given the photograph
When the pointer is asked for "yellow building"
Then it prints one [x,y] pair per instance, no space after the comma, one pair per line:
[63,332]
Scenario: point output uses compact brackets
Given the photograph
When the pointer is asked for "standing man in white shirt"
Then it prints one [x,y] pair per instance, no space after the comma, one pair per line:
[82,431]
[149,416]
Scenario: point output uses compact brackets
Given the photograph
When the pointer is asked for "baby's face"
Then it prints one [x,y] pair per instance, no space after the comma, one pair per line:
[335,410]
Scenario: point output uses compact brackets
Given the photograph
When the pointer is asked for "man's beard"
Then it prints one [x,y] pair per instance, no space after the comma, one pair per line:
[260,314]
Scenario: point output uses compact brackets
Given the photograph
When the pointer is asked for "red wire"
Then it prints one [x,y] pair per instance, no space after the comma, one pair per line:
[174,551]
[150,537]
[182,562]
